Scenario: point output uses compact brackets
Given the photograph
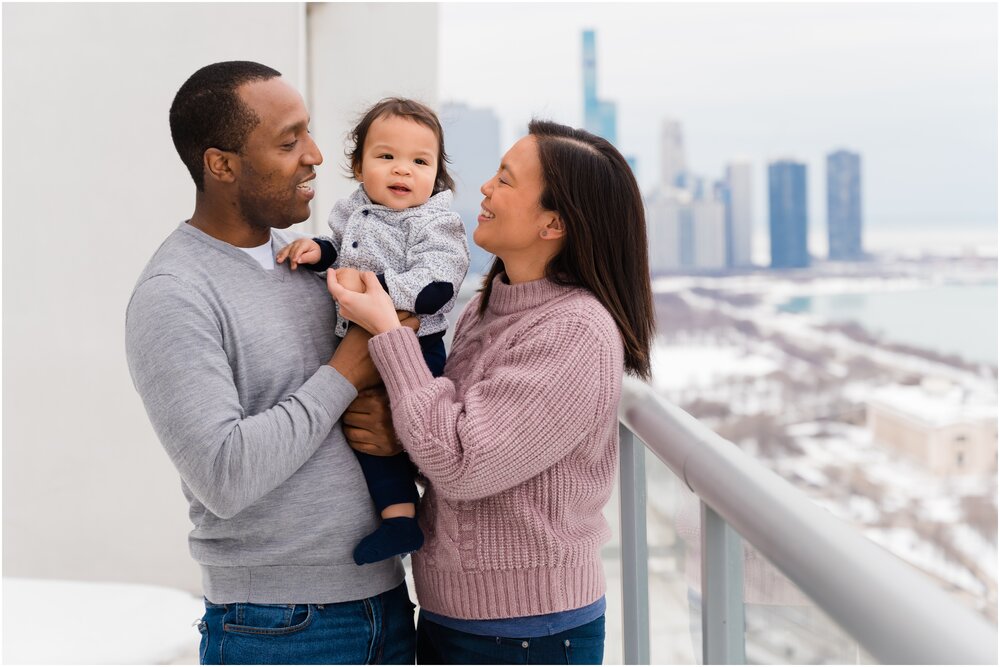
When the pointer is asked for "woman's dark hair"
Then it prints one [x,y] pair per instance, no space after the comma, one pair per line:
[207,112]
[590,185]
[401,108]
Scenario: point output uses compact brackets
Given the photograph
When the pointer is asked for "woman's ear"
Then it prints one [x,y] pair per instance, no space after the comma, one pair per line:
[219,165]
[554,227]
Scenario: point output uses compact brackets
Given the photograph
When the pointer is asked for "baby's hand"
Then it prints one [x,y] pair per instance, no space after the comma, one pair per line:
[299,251]
[350,279]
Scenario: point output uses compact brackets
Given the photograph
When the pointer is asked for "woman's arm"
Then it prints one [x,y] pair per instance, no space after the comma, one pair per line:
[536,402]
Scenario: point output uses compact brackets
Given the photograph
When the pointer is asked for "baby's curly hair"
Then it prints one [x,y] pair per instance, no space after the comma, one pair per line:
[401,108]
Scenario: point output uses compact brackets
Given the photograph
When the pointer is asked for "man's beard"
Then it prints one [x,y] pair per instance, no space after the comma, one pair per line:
[265,206]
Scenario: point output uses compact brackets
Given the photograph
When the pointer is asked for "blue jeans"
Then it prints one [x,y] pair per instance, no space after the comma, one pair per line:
[438,645]
[376,630]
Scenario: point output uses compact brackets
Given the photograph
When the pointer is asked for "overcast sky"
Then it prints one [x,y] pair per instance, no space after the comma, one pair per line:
[912,87]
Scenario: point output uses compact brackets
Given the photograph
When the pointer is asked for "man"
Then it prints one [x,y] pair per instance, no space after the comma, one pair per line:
[234,358]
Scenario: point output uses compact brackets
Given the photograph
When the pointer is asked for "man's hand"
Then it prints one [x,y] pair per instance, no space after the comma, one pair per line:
[299,251]
[350,279]
[368,424]
[351,359]
[408,319]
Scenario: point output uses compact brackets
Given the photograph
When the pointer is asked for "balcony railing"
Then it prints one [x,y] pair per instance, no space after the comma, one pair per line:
[895,612]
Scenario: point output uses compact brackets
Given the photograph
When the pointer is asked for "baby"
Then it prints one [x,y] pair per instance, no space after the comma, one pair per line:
[398,224]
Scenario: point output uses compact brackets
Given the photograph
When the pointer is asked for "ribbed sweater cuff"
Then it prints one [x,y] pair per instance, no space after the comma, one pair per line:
[398,357]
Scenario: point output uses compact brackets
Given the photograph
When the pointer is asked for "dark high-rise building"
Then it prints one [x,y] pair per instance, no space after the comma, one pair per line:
[789,220]
[843,205]
[472,141]
[599,116]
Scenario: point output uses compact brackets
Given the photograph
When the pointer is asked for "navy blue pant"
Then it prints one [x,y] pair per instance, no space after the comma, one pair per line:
[390,478]
[375,630]
[439,645]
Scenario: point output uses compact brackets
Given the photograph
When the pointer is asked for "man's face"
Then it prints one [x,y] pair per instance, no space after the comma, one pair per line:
[277,162]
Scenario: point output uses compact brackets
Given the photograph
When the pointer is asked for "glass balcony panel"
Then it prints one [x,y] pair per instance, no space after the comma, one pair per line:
[784,627]
[611,557]
[675,629]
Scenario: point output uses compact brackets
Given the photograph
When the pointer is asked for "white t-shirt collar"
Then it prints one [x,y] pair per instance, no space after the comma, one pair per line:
[262,254]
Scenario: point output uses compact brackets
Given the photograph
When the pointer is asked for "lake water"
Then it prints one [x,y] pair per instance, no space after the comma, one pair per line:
[954,319]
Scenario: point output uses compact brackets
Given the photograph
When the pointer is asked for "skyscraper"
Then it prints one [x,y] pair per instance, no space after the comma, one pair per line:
[672,162]
[786,184]
[472,141]
[708,218]
[684,233]
[599,116]
[843,205]
[685,213]
[663,222]
[739,214]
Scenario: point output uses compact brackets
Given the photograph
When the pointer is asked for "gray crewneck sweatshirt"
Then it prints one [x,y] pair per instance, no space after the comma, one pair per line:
[231,363]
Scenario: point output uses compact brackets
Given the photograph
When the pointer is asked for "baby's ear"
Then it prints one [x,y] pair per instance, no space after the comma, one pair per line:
[357,174]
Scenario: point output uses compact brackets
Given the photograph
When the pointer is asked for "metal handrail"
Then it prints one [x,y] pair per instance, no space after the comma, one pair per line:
[896,613]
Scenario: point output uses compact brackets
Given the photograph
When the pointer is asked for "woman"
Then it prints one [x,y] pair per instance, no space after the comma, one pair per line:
[519,438]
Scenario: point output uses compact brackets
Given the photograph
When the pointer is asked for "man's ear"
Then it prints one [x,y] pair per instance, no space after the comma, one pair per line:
[220,165]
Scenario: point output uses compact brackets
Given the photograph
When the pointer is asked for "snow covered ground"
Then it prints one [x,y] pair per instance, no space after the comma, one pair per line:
[680,367]
[738,359]
[87,623]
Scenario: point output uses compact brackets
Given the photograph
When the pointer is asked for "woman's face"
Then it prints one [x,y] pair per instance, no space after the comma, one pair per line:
[512,217]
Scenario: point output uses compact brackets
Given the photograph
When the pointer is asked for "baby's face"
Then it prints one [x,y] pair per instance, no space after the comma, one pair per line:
[399,163]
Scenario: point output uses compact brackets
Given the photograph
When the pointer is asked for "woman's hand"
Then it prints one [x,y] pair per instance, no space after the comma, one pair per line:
[372,309]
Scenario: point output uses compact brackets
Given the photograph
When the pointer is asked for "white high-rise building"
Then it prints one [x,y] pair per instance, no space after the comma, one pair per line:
[685,233]
[663,213]
[672,163]
[739,213]
[708,223]
[685,214]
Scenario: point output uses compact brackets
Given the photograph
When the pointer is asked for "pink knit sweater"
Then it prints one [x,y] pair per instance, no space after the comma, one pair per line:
[519,441]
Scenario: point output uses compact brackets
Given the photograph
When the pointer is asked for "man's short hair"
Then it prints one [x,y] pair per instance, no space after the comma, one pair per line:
[207,112]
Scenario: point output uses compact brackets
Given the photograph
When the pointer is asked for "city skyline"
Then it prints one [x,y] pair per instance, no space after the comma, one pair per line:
[910,87]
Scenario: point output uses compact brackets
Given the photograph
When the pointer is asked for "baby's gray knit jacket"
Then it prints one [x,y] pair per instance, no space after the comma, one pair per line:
[411,249]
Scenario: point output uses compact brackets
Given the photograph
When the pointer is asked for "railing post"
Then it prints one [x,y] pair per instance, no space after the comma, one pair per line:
[723,631]
[635,551]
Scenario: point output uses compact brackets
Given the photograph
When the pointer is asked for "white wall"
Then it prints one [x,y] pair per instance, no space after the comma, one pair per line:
[91,186]
[358,54]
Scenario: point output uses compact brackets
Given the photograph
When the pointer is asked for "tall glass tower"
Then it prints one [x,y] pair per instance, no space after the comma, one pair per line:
[843,205]
[599,116]
[789,223]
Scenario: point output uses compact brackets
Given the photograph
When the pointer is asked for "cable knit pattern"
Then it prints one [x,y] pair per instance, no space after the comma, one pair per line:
[519,440]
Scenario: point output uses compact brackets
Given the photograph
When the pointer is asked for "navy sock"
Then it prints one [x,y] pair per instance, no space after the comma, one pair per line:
[398,535]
